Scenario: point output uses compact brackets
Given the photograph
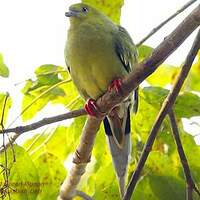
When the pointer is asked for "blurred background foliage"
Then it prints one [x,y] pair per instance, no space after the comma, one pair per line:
[44,159]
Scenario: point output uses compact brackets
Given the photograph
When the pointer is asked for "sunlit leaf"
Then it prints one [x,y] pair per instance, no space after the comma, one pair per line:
[4,106]
[51,174]
[67,136]
[110,8]
[4,71]
[23,176]
[164,75]
[48,87]
[144,51]
[194,77]
[187,105]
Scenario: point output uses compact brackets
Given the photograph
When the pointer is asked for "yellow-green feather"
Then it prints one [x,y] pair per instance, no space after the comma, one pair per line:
[97,52]
[91,53]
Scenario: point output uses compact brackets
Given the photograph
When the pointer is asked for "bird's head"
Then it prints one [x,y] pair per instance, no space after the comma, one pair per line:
[81,11]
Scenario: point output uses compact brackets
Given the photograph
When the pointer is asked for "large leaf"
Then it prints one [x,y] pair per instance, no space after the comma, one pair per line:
[110,8]
[186,105]
[48,87]
[4,71]
[51,173]
[23,177]
[193,80]
[165,74]
[51,141]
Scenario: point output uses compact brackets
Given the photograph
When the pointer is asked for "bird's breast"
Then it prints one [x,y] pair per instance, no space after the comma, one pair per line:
[94,64]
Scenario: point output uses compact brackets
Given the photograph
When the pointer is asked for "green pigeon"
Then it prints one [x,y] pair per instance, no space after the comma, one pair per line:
[98,55]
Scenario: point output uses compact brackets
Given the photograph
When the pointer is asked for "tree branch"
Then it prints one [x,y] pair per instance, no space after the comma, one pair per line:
[22,129]
[167,105]
[49,120]
[157,28]
[149,65]
[190,183]
[110,99]
[81,158]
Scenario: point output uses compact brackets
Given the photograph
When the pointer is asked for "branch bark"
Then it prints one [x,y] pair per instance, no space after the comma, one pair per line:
[167,105]
[49,120]
[22,129]
[108,100]
[81,158]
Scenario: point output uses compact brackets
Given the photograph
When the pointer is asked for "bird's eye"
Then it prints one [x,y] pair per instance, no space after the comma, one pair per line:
[84,9]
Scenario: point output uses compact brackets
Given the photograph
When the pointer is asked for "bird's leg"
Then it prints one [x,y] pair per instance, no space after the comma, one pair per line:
[92,109]
[115,85]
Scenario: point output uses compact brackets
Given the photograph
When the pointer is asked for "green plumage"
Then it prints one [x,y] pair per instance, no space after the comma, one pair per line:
[97,52]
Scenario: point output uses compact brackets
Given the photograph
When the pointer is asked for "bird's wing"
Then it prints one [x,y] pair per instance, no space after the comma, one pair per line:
[127,53]
[117,123]
[125,48]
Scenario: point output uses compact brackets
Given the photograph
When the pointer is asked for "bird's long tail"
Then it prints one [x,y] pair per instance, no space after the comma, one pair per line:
[117,128]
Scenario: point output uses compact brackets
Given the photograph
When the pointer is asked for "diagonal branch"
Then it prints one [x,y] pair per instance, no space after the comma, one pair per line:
[157,28]
[81,158]
[108,100]
[167,105]
[190,182]
[149,65]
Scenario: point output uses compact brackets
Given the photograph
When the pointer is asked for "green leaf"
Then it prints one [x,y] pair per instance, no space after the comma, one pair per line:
[7,107]
[51,173]
[187,105]
[23,176]
[67,136]
[144,52]
[48,87]
[4,71]
[193,80]
[164,75]
[110,8]
[48,74]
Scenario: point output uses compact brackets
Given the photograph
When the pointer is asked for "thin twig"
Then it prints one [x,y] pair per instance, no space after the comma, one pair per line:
[36,139]
[21,129]
[43,74]
[154,30]
[83,195]
[39,97]
[5,174]
[168,103]
[44,143]
[45,121]
[190,182]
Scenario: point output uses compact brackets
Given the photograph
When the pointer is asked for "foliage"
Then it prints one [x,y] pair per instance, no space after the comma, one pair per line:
[4,71]
[43,160]
[111,8]
[23,178]
[5,105]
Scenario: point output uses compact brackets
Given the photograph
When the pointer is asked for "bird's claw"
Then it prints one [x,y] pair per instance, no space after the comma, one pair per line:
[115,85]
[92,109]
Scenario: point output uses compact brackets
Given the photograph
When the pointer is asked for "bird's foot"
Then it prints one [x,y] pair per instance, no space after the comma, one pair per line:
[92,109]
[115,85]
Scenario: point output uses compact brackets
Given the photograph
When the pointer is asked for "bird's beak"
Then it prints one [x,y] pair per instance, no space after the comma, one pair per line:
[71,13]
